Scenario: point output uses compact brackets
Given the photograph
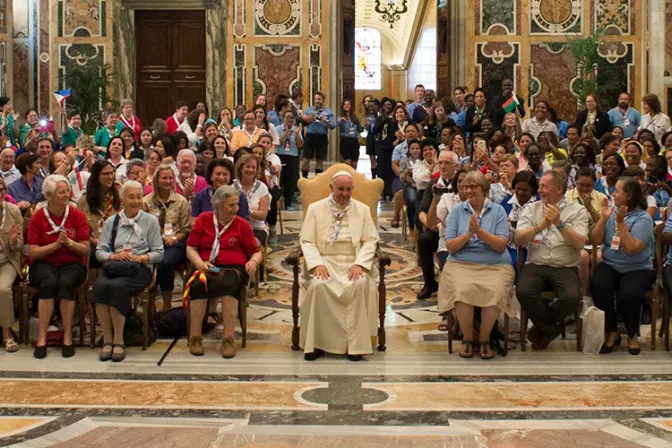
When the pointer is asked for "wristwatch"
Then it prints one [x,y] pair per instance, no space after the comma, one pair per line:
[562,225]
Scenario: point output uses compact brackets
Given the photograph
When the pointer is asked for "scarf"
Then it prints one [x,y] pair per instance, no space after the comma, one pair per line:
[54,227]
[337,214]
[125,221]
[214,252]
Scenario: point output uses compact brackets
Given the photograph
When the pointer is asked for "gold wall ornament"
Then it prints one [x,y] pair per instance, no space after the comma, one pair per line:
[391,10]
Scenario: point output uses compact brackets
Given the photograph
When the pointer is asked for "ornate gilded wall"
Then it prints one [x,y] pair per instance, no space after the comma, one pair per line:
[276,45]
[525,40]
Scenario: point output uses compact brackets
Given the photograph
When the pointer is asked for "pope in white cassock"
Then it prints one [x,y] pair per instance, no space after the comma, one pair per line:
[338,298]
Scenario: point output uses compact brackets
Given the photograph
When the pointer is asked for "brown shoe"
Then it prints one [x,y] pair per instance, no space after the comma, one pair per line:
[196,346]
[229,348]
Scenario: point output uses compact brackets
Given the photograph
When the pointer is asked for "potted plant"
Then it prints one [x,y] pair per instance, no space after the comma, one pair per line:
[90,84]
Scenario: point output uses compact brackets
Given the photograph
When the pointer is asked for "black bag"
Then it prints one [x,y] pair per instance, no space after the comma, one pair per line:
[173,323]
[133,334]
[121,269]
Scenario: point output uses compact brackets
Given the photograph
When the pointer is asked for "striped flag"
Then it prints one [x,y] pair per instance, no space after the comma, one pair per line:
[511,105]
[61,96]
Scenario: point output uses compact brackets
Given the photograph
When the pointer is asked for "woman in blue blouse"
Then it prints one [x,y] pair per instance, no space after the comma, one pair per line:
[291,141]
[478,272]
[627,267]
[349,129]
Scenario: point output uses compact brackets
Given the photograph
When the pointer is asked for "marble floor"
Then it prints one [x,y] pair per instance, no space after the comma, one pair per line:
[415,394]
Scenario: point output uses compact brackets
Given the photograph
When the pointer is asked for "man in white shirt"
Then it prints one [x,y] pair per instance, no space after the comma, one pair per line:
[9,172]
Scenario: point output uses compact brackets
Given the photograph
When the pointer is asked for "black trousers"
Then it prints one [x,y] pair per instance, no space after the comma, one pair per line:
[56,282]
[165,270]
[564,282]
[272,217]
[631,288]
[288,177]
[428,242]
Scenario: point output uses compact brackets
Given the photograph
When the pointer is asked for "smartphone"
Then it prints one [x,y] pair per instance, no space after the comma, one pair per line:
[480,144]
[214,269]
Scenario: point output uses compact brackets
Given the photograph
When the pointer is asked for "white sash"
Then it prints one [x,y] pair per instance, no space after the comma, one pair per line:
[126,221]
[214,252]
[54,227]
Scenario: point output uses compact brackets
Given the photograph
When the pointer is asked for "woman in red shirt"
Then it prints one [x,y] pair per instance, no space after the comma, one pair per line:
[58,245]
[221,245]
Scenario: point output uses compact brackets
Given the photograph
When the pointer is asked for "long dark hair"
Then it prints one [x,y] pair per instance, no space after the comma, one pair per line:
[169,145]
[352,115]
[632,188]
[94,192]
[265,122]
[227,151]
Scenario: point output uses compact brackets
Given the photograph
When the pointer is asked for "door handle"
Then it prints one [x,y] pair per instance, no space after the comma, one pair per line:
[154,77]
[189,77]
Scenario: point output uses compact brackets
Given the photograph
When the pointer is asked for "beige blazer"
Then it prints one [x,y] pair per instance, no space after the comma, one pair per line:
[14,253]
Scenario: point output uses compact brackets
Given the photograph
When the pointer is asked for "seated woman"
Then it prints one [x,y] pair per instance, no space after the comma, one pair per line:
[626,231]
[612,169]
[136,170]
[27,190]
[219,173]
[256,192]
[11,245]
[130,244]
[172,211]
[58,245]
[525,188]
[223,241]
[478,272]
[99,202]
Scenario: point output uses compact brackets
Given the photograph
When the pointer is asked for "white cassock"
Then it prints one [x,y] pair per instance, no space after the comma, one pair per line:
[338,315]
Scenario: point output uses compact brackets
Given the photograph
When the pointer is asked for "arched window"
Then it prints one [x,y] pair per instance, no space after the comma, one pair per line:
[368,59]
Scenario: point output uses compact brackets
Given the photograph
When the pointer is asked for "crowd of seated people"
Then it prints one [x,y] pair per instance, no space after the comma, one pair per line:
[483,184]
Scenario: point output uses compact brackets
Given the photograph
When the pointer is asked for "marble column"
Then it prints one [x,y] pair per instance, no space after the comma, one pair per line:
[656,75]
[215,56]
[335,31]
[399,81]
[458,43]
[124,51]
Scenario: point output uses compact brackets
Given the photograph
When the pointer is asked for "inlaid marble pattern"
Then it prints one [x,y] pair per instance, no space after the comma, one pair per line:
[556,16]
[267,58]
[498,14]
[613,14]
[551,69]
[82,18]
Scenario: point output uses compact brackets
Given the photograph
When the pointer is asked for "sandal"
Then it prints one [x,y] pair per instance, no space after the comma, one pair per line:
[11,346]
[118,357]
[469,352]
[106,356]
[484,353]
[443,326]
[395,223]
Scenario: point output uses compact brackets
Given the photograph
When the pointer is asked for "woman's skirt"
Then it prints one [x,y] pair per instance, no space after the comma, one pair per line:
[118,291]
[229,282]
[481,285]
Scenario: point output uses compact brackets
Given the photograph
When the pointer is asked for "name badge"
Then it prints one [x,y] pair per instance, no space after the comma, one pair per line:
[615,243]
[168,229]
[128,249]
[626,122]
[101,222]
[539,239]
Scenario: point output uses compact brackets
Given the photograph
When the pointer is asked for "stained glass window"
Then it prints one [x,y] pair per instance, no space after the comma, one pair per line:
[368,59]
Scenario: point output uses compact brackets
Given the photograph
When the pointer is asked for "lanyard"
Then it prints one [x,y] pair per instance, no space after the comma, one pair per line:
[54,227]
[131,124]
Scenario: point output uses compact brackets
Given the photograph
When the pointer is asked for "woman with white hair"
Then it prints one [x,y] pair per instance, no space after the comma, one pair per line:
[11,243]
[130,245]
[223,247]
[58,245]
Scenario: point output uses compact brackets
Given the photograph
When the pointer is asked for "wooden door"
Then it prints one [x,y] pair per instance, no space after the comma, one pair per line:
[170,61]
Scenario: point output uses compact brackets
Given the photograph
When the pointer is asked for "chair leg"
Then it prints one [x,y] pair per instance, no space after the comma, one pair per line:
[82,325]
[506,334]
[145,322]
[281,206]
[25,318]
[666,321]
[242,316]
[92,330]
[189,319]
[523,330]
[654,319]
[579,330]
[450,331]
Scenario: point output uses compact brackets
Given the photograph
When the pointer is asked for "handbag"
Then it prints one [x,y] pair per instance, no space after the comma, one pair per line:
[114,269]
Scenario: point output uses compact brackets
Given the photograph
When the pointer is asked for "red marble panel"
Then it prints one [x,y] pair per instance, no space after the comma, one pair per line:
[21,73]
[554,71]
[277,70]
[43,56]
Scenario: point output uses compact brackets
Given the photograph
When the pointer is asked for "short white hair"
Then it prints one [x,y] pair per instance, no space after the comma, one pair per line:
[129,184]
[186,151]
[8,150]
[222,194]
[455,157]
[50,185]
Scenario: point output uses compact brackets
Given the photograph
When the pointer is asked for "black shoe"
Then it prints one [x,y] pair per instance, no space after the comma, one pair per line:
[634,351]
[533,334]
[40,351]
[313,355]
[610,348]
[355,358]
[544,339]
[68,351]
[427,292]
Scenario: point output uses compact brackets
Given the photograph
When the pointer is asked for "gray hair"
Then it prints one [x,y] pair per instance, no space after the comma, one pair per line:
[50,185]
[134,162]
[478,178]
[185,151]
[126,102]
[130,184]
[455,157]
[558,179]
[222,194]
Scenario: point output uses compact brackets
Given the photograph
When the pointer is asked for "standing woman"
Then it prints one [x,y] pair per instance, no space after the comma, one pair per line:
[146,140]
[172,211]
[256,192]
[349,129]
[115,154]
[653,119]
[99,202]
[593,115]
[58,245]
[385,131]
[262,122]
[8,124]
[131,150]
[11,245]
[626,230]
[272,167]
[130,244]
[436,121]
[225,118]
[291,141]
[128,119]
[511,126]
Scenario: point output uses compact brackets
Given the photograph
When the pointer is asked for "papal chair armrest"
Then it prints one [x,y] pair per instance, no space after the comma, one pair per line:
[294,257]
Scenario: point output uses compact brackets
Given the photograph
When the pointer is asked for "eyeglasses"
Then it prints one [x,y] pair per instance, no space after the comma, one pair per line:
[470,187]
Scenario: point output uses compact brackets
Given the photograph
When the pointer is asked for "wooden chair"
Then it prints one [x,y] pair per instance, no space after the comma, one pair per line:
[23,293]
[547,296]
[366,191]
[281,206]
[147,298]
